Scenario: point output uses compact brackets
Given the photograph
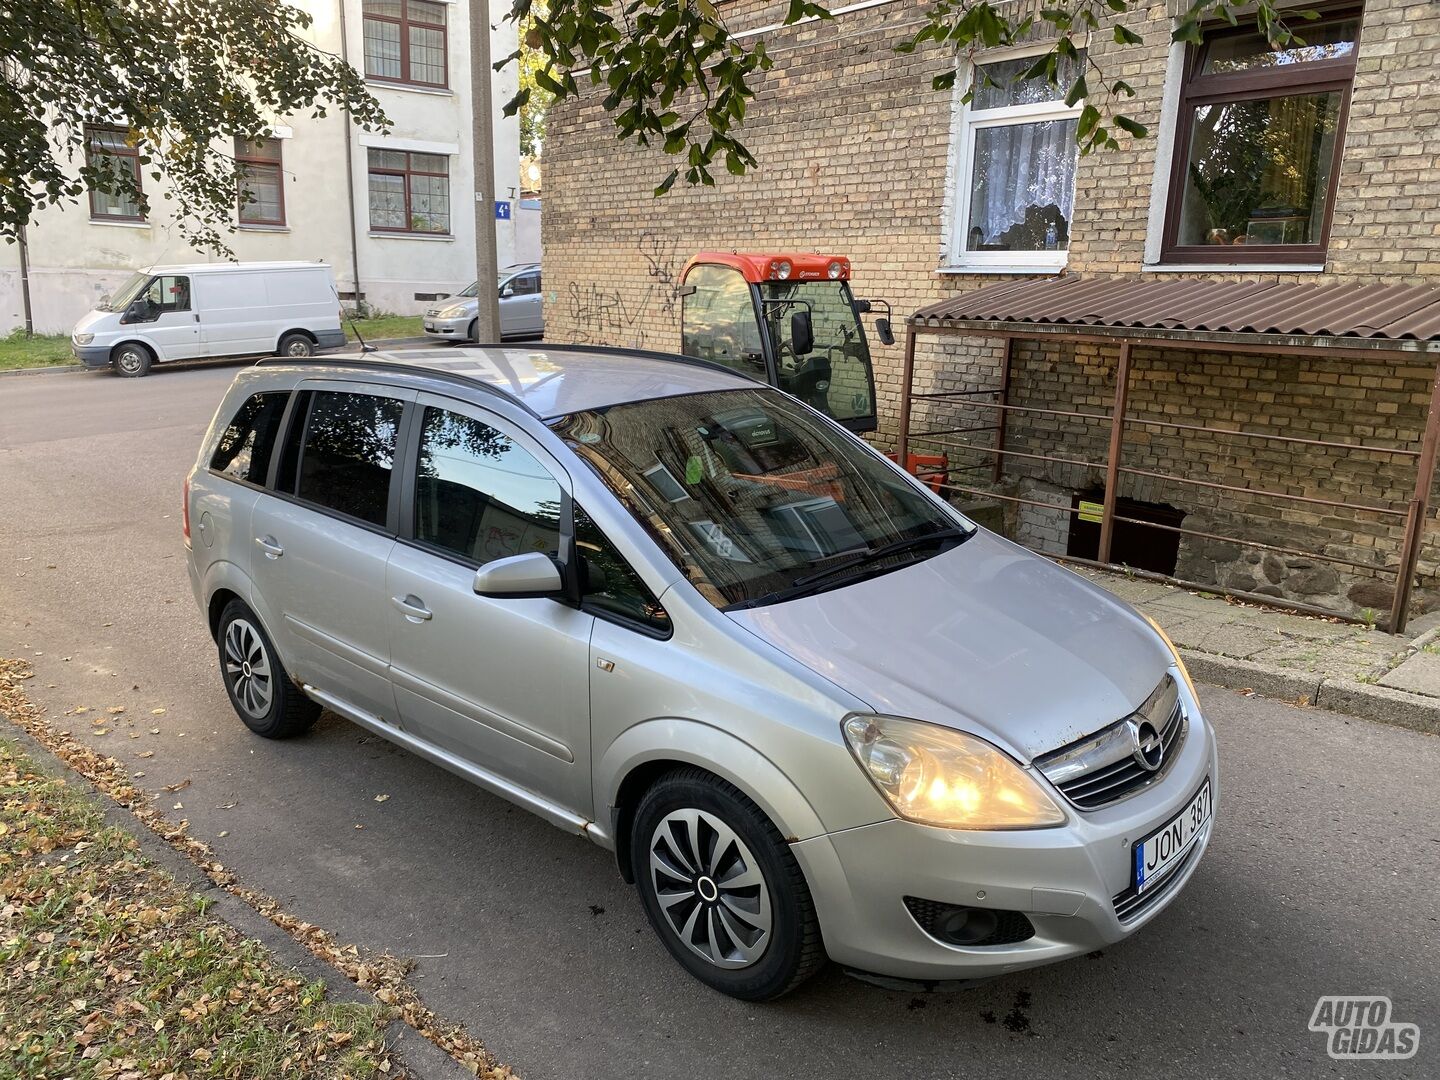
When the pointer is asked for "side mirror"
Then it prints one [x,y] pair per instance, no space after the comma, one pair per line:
[533,574]
[507,292]
[862,307]
[802,333]
[883,332]
[137,311]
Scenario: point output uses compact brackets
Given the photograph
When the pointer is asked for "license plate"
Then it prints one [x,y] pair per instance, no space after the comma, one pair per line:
[1162,850]
[429,324]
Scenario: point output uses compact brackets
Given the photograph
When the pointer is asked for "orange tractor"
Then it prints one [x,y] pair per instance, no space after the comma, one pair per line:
[789,320]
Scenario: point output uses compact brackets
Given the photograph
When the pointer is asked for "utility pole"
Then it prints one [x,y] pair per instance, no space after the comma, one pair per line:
[482,149]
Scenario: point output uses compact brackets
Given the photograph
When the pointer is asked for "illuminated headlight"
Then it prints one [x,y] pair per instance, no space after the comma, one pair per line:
[84,339]
[781,269]
[938,776]
[835,269]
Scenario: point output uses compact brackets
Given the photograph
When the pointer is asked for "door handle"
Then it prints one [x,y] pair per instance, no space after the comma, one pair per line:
[412,607]
[270,546]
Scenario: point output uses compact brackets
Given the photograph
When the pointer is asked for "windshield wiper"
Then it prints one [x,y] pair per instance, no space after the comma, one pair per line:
[809,583]
[871,555]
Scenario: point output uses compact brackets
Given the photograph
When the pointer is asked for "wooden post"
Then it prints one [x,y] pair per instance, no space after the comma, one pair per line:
[1117,438]
[1004,413]
[907,376]
[1419,507]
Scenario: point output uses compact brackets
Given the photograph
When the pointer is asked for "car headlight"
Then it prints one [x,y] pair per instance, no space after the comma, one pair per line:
[84,339]
[938,776]
[1174,652]
[454,311]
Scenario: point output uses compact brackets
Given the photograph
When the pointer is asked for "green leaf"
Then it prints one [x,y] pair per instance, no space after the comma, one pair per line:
[666,184]
[1131,127]
[1125,36]
[1078,92]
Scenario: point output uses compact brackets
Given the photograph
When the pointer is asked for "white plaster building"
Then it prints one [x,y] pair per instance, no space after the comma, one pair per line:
[403,218]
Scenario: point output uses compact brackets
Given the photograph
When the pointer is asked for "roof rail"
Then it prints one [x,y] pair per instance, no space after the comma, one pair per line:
[407,369]
[620,350]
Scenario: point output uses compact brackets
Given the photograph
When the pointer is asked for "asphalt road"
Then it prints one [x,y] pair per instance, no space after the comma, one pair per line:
[1323,877]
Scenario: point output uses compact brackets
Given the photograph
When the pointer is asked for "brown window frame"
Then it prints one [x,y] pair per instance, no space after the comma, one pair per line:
[405,175]
[405,23]
[277,163]
[1196,90]
[132,153]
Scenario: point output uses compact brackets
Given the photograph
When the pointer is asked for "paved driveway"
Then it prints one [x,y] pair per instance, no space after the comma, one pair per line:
[1322,878]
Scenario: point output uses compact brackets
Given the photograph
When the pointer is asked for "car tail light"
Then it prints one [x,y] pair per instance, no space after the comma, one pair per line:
[185,511]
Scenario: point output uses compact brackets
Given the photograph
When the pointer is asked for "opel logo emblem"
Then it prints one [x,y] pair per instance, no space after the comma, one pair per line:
[1146,745]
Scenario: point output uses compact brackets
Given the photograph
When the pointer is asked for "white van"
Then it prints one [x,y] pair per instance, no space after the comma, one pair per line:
[211,309]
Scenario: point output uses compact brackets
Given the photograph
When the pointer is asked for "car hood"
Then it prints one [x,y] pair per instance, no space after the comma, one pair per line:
[90,321]
[986,638]
[467,302]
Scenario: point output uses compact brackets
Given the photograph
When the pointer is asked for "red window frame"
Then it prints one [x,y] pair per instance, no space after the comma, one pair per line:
[406,22]
[242,159]
[126,151]
[1197,90]
[405,174]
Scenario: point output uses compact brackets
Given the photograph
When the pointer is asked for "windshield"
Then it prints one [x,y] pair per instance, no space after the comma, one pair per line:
[120,299]
[749,493]
[834,376]
[473,289]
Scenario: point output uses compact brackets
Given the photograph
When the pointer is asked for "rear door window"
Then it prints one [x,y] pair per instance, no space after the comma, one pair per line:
[348,452]
[479,494]
[246,447]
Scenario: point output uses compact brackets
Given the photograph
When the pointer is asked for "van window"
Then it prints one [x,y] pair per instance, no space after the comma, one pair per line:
[244,451]
[348,452]
[479,495]
[616,589]
[169,293]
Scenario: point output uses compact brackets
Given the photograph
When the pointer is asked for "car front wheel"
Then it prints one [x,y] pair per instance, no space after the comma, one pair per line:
[722,889]
[132,361]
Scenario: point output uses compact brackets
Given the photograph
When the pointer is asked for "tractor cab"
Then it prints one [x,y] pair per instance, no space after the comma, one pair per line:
[788,320]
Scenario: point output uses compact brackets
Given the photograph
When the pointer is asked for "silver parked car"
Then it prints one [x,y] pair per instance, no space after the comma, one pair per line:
[522,308]
[812,709]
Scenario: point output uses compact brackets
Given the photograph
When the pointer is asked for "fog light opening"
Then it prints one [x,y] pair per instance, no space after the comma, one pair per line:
[969,927]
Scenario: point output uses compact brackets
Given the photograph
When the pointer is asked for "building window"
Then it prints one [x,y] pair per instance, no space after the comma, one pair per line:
[409,192]
[261,181]
[1016,167]
[108,151]
[405,41]
[1258,142]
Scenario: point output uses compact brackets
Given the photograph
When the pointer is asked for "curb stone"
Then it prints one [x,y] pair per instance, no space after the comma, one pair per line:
[1366,701]
[49,369]
[415,1054]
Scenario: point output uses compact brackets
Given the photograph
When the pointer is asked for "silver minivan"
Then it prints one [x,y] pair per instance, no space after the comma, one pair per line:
[522,308]
[813,710]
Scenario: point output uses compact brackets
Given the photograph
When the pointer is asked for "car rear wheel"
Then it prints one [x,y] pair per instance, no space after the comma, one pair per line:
[259,687]
[296,345]
[132,361]
[722,889]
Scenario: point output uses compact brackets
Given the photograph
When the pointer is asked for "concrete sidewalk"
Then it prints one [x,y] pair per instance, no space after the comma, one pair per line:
[1367,673]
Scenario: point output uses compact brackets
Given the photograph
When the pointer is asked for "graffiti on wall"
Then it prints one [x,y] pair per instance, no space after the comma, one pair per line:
[601,314]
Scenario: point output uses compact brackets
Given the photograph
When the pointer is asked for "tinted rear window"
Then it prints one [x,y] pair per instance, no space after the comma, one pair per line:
[348,453]
[244,451]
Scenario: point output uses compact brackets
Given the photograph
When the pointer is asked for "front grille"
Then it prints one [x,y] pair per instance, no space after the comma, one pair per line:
[1131,905]
[1010,926]
[1104,768]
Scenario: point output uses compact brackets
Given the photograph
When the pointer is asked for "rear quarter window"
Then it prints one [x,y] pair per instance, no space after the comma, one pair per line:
[248,443]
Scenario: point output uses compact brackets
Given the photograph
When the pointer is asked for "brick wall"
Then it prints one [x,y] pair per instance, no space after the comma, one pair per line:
[855,159]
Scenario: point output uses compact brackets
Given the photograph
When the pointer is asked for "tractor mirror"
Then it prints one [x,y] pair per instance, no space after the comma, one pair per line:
[883,332]
[802,333]
[862,307]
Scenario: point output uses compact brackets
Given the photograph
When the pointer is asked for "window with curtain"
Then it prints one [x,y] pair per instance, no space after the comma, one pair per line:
[108,151]
[405,41]
[1016,168]
[1258,143]
[409,191]
[261,180]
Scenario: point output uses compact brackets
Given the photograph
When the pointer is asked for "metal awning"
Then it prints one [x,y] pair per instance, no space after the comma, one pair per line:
[1348,317]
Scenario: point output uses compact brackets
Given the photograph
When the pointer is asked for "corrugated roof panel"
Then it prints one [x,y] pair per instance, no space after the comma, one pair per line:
[1376,312]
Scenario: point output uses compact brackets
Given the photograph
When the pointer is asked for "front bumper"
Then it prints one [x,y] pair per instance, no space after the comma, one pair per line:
[1065,880]
[456,329]
[92,356]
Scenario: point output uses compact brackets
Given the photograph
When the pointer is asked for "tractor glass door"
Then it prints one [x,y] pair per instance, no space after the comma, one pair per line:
[835,376]
[718,321]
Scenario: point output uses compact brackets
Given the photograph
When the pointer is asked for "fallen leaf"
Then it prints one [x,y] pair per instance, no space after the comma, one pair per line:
[154,731]
[146,754]
[224,833]
[157,712]
[181,786]
[381,798]
[178,806]
[115,710]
